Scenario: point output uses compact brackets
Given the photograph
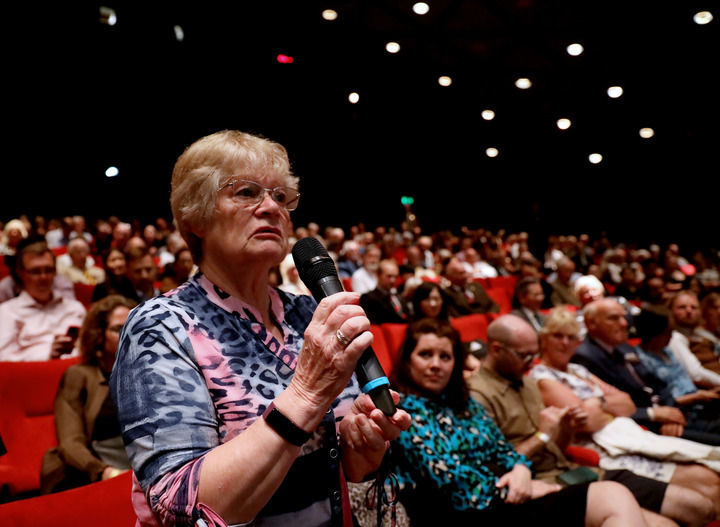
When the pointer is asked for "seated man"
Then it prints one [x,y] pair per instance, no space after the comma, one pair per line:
[464,295]
[78,265]
[142,272]
[686,342]
[563,284]
[364,279]
[530,296]
[514,402]
[383,304]
[34,325]
[607,354]
[709,329]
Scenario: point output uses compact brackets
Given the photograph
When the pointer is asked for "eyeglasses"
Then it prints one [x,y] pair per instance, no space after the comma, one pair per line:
[37,271]
[252,193]
[525,358]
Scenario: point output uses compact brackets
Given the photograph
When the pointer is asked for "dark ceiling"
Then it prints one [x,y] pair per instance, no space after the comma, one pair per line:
[84,96]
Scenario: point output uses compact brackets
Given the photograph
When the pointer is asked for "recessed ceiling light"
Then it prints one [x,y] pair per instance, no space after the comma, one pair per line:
[111,172]
[420,8]
[703,17]
[615,92]
[392,47]
[575,49]
[354,97]
[492,152]
[646,133]
[488,115]
[329,15]
[444,80]
[595,158]
[563,123]
[523,83]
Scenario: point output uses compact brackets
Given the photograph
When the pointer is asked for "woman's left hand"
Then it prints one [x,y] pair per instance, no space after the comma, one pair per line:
[519,484]
[365,433]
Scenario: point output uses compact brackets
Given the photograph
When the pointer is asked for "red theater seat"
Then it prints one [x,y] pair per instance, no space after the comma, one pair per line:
[105,503]
[394,337]
[27,422]
[501,298]
[381,349]
[471,327]
[83,293]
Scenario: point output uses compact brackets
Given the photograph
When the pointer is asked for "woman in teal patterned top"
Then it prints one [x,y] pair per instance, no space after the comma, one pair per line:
[454,465]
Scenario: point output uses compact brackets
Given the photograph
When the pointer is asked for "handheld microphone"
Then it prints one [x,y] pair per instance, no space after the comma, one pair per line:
[317,271]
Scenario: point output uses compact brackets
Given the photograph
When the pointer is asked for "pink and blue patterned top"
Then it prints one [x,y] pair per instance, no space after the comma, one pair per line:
[196,367]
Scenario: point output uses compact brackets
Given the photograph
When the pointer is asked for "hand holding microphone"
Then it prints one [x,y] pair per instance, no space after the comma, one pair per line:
[317,271]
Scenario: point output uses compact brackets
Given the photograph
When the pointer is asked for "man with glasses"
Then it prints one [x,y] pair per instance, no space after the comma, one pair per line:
[34,325]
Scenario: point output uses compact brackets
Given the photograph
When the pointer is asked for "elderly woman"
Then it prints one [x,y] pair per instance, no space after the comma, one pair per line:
[89,444]
[456,468]
[694,489]
[231,393]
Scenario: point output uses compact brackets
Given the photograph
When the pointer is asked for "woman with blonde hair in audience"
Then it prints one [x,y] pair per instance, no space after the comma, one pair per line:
[456,468]
[13,233]
[694,491]
[90,446]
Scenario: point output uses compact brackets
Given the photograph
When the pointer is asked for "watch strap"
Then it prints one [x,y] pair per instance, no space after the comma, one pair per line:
[285,427]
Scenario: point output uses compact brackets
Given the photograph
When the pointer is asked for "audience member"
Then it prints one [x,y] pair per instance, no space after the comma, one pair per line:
[116,281]
[384,304]
[77,264]
[685,310]
[122,231]
[542,433]
[290,279]
[694,489]
[34,325]
[529,296]
[608,355]
[58,234]
[142,272]
[428,300]
[349,259]
[710,329]
[90,446]
[563,284]
[365,278]
[456,468]
[13,233]
[464,295]
[78,229]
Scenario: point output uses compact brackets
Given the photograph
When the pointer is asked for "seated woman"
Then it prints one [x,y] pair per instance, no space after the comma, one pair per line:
[428,301]
[456,468]
[89,447]
[566,384]
[116,280]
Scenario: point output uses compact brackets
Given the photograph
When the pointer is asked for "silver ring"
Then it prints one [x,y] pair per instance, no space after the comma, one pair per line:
[342,339]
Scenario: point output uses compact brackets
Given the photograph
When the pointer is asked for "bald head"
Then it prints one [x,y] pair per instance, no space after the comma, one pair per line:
[512,346]
[508,329]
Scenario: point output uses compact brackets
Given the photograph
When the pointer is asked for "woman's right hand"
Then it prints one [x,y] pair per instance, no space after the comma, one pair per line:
[325,364]
[519,484]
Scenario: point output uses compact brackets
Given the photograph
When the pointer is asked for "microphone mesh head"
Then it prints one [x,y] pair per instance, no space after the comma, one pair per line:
[312,260]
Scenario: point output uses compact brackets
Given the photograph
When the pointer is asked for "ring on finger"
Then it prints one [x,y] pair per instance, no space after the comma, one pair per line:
[342,339]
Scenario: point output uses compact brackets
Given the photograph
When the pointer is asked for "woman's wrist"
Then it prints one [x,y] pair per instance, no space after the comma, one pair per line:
[302,410]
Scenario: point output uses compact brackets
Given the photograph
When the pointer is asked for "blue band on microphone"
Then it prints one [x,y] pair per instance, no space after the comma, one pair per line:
[371,385]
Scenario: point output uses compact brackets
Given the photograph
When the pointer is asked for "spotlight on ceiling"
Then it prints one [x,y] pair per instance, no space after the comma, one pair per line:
[111,172]
[392,47]
[615,92]
[179,33]
[445,80]
[703,17]
[488,115]
[523,83]
[491,152]
[108,16]
[329,15]
[595,158]
[563,123]
[420,8]
[575,49]
[646,133]
[354,97]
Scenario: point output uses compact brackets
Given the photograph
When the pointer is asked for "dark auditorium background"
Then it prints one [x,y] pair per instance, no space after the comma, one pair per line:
[82,95]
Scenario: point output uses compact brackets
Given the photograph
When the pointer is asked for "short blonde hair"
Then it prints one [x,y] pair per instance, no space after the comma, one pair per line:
[210,162]
[560,319]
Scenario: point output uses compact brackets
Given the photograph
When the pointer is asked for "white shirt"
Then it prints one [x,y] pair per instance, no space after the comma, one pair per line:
[363,281]
[27,328]
[680,346]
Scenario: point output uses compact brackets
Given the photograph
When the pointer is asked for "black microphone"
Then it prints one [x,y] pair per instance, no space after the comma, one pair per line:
[317,271]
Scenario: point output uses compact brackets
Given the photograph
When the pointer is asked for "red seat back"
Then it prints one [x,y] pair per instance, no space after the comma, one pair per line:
[471,327]
[83,293]
[382,351]
[107,503]
[501,298]
[27,422]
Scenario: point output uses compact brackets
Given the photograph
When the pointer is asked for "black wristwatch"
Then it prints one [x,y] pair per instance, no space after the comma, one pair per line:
[285,427]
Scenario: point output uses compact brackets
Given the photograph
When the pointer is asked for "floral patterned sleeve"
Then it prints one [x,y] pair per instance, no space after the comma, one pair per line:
[461,453]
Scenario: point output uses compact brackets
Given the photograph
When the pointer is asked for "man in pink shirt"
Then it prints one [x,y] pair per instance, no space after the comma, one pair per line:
[34,325]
